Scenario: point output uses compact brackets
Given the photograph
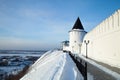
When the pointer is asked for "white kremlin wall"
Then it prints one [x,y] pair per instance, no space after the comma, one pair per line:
[104,41]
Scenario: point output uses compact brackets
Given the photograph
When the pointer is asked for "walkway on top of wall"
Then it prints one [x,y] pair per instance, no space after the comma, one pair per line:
[98,70]
[115,69]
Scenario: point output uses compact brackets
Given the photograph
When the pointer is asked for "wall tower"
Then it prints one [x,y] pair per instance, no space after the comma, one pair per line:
[76,36]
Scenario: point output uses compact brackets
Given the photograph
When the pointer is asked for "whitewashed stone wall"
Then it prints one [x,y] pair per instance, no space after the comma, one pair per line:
[104,41]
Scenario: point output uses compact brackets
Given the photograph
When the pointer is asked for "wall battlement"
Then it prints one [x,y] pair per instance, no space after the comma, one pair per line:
[110,24]
[104,41]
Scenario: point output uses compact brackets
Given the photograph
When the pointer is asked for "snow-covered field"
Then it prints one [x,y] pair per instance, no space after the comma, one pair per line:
[53,65]
[14,61]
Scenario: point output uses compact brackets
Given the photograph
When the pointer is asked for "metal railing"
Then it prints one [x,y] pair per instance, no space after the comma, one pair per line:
[81,65]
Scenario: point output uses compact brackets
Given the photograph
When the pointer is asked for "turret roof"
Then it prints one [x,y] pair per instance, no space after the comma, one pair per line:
[78,24]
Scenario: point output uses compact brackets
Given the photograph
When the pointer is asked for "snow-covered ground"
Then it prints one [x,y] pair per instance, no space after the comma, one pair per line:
[11,69]
[53,65]
[14,61]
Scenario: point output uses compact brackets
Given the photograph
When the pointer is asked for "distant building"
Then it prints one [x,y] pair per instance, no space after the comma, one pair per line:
[65,45]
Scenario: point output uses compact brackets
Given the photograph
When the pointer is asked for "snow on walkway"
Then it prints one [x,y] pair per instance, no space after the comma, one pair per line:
[53,65]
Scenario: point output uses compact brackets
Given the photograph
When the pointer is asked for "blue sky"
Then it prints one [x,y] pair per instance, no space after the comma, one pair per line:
[44,24]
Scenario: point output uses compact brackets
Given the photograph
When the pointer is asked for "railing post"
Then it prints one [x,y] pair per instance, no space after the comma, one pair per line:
[85,78]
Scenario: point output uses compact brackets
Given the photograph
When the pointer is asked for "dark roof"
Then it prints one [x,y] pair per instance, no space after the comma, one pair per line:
[78,24]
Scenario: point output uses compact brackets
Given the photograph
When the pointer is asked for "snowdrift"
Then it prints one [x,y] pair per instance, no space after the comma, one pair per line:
[53,65]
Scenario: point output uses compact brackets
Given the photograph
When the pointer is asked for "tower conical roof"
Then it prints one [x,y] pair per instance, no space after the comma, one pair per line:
[78,24]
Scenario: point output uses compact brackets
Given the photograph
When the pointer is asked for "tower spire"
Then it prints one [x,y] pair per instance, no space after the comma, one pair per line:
[78,24]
